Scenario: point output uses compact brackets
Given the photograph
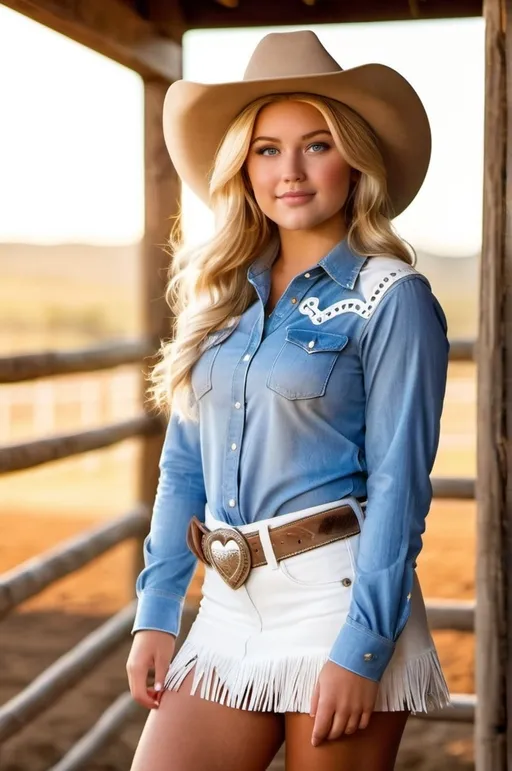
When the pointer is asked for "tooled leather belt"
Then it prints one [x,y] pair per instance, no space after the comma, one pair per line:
[233,554]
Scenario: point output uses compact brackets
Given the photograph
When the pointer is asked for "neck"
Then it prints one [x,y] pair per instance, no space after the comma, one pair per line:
[301,249]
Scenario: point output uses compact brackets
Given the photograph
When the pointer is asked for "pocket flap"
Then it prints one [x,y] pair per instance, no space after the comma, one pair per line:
[312,341]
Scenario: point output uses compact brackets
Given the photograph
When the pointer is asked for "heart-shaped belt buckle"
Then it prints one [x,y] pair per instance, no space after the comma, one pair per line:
[228,552]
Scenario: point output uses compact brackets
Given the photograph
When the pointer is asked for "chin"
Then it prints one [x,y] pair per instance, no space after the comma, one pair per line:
[299,223]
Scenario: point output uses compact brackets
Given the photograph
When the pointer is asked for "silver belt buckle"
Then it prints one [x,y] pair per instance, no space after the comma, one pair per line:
[228,552]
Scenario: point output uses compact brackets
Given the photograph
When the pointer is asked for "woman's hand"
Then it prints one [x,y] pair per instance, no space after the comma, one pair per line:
[342,702]
[150,649]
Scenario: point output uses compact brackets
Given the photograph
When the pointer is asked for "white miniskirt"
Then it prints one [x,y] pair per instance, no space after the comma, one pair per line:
[262,646]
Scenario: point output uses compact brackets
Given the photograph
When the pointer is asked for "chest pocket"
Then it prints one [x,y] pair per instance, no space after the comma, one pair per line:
[302,368]
[201,376]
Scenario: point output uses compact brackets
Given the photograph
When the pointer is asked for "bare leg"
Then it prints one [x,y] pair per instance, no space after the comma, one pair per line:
[373,748]
[187,733]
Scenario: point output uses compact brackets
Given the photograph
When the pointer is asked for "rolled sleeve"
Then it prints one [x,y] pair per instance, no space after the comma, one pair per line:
[404,354]
[169,565]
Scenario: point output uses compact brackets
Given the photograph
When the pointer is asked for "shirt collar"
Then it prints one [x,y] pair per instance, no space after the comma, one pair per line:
[341,263]
[265,258]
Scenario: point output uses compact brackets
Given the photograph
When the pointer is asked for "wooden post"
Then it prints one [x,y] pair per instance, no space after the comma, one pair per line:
[162,191]
[493,622]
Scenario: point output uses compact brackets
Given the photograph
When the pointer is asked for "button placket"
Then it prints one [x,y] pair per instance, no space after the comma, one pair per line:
[237,421]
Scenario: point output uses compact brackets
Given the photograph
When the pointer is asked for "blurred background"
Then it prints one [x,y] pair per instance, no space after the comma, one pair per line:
[71,223]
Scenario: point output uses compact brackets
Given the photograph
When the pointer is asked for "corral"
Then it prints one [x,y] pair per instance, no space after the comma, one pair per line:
[146,37]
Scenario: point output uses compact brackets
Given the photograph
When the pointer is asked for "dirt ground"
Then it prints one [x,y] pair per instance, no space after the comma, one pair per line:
[52,623]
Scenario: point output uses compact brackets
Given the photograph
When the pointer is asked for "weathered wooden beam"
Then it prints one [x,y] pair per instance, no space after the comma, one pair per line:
[458,615]
[33,576]
[112,28]
[463,350]
[204,13]
[83,752]
[162,202]
[458,489]
[31,366]
[64,673]
[462,710]
[17,457]
[493,620]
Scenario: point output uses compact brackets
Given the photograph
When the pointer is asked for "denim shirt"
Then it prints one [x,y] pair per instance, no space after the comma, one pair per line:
[339,392]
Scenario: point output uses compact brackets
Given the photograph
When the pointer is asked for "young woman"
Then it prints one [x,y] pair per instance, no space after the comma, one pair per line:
[306,380]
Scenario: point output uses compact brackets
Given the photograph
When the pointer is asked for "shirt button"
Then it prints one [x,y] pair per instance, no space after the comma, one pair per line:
[409,596]
[237,405]
[307,275]
[294,300]
[311,344]
[247,357]
[233,446]
[231,502]
[368,656]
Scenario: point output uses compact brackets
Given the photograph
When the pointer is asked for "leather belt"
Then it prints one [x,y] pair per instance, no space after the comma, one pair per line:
[233,554]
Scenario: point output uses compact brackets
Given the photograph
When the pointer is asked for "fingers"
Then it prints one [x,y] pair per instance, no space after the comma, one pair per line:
[340,725]
[137,679]
[323,722]
[161,667]
[314,700]
[331,724]
[365,719]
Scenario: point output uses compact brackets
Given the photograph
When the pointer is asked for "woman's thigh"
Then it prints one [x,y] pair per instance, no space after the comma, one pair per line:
[373,748]
[187,733]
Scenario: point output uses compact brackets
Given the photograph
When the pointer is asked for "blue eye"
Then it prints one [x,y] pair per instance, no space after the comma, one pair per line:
[321,145]
[263,150]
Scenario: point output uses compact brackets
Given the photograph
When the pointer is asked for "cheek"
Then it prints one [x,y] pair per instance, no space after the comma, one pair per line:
[263,184]
[334,178]
[258,176]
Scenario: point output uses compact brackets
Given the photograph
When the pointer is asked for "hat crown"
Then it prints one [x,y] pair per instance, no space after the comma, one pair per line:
[289,54]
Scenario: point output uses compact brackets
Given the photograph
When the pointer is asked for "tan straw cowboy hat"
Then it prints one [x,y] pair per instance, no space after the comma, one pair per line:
[197,115]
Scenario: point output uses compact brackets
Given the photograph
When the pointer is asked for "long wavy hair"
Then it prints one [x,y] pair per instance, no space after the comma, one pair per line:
[207,284]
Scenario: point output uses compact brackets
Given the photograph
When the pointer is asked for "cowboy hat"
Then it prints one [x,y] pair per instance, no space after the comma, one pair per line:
[196,115]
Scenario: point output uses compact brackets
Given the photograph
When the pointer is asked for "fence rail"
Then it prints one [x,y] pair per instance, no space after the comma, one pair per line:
[463,350]
[16,457]
[68,670]
[35,575]
[31,366]
[89,745]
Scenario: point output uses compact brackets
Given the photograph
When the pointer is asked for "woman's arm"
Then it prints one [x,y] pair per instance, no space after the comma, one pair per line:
[404,354]
[169,564]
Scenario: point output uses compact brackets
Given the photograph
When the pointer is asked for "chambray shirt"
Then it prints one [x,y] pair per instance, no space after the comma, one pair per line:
[339,392]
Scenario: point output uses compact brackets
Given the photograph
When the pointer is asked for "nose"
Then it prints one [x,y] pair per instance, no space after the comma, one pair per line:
[293,170]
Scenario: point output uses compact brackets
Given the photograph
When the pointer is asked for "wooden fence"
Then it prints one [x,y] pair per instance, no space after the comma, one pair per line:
[35,575]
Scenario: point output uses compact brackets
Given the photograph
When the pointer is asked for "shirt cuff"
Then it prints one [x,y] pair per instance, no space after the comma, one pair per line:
[362,651]
[159,612]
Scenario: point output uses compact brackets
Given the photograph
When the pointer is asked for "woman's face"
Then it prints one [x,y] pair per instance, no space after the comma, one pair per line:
[299,178]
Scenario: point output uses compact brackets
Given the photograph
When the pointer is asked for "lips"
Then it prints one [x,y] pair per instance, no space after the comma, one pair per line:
[296,194]
[296,198]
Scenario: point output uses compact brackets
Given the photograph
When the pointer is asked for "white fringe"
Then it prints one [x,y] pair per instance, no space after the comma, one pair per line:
[287,684]
[417,684]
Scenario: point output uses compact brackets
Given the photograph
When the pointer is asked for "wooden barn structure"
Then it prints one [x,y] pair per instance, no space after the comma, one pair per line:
[146,35]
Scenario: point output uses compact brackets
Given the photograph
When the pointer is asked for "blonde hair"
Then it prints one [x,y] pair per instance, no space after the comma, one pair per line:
[208,286]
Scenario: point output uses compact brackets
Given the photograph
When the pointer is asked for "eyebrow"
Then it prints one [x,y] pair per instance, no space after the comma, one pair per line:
[305,136]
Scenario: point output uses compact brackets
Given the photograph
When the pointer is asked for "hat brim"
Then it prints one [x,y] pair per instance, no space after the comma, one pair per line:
[197,115]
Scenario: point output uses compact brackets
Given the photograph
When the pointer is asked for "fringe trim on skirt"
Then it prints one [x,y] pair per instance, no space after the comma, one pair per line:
[287,684]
